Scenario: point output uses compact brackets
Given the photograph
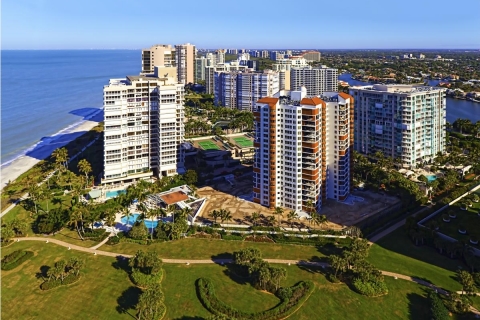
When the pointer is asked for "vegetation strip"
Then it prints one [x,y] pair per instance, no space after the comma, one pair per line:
[15,259]
[291,297]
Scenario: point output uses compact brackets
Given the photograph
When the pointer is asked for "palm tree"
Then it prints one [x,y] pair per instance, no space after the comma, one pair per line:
[214,214]
[34,193]
[75,218]
[151,214]
[271,220]
[279,212]
[255,217]
[227,216]
[61,157]
[84,167]
[292,215]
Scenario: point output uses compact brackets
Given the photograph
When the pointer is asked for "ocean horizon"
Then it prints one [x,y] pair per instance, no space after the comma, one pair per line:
[46,94]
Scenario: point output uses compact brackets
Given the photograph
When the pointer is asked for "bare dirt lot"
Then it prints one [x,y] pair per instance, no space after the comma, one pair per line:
[222,195]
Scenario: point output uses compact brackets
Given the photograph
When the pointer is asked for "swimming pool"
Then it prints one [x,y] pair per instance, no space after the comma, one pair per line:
[431,178]
[113,194]
[131,220]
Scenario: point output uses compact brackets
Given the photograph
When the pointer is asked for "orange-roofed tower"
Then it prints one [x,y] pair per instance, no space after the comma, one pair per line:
[303,149]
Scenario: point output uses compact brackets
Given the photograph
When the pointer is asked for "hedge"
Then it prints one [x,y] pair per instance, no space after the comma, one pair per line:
[96,235]
[15,259]
[370,288]
[437,308]
[290,299]
[232,237]
[71,278]
[143,280]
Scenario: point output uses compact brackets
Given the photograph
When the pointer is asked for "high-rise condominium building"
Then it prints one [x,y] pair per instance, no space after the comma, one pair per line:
[283,66]
[158,55]
[303,149]
[241,90]
[311,55]
[185,60]
[144,128]
[201,63]
[402,121]
[317,80]
[264,54]
[220,56]
[210,73]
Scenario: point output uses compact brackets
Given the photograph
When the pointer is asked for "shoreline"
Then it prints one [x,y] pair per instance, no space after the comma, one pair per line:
[17,167]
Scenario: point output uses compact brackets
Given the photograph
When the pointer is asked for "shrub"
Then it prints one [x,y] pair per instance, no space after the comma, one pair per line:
[143,280]
[15,259]
[96,235]
[50,284]
[370,288]
[232,237]
[113,240]
[437,308]
[259,239]
[139,231]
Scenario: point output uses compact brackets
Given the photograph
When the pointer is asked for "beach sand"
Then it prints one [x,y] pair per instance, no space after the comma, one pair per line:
[13,170]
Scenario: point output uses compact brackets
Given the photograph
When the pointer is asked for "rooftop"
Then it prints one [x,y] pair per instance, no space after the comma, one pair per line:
[173,197]
[397,88]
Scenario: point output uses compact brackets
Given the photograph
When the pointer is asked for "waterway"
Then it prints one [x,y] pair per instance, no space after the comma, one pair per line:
[456,108]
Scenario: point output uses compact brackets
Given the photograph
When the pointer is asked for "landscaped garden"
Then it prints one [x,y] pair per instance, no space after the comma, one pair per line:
[461,221]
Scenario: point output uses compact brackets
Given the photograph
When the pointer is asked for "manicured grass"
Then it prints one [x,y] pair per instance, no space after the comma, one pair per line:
[328,301]
[105,291]
[397,253]
[208,145]
[192,248]
[93,297]
[71,236]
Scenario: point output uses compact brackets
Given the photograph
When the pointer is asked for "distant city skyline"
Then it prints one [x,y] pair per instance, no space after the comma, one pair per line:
[107,24]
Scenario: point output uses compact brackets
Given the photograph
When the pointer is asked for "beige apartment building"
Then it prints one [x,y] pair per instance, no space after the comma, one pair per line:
[144,126]
[158,55]
[185,61]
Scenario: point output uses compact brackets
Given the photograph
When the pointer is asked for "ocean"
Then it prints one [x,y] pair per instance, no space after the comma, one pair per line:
[47,93]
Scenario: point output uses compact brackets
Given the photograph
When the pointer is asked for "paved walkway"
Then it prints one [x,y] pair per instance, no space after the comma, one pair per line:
[224,261]
[98,245]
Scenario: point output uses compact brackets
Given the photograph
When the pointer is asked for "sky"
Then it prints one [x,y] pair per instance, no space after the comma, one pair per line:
[248,24]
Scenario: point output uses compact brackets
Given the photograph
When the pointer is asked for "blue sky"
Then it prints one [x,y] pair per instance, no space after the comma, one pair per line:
[347,24]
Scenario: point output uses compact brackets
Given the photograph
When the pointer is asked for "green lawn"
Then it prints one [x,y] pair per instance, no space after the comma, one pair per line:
[93,297]
[104,292]
[192,248]
[397,253]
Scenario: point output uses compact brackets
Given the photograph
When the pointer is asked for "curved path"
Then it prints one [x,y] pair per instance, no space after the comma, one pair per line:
[223,261]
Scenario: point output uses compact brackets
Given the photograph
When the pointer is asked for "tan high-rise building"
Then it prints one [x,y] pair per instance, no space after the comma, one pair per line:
[158,55]
[144,126]
[185,60]
[303,149]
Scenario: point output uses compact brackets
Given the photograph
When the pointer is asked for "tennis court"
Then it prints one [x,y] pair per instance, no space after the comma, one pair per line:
[243,142]
[208,145]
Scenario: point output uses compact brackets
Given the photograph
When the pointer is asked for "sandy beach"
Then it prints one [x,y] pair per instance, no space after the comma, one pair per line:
[12,170]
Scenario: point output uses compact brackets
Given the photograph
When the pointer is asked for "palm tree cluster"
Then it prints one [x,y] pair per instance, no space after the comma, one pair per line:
[62,269]
[200,122]
[223,214]
[263,276]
